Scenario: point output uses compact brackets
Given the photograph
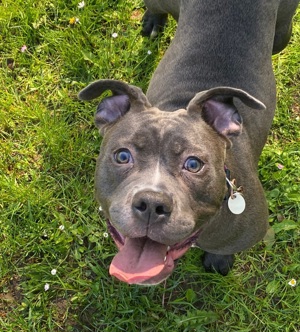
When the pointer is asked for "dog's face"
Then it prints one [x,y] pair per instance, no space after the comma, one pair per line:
[160,176]
[157,186]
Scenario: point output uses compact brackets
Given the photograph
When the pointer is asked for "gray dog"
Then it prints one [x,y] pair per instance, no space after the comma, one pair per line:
[179,167]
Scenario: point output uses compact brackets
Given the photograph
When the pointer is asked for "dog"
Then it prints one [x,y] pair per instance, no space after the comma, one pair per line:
[178,166]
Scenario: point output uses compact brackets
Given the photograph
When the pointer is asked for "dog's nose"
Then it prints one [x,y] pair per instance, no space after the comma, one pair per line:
[151,205]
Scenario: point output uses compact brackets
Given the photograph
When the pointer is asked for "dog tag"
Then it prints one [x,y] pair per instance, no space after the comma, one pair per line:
[237,205]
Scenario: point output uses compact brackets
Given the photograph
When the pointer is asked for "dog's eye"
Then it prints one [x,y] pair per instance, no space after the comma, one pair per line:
[123,156]
[193,164]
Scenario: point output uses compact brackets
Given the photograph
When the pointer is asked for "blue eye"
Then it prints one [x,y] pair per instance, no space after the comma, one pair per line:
[123,156]
[193,164]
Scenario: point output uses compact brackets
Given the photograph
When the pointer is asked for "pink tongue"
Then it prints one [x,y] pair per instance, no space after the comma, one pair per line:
[141,259]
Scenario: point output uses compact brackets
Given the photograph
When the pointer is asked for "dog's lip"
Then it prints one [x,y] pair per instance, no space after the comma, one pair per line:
[116,235]
[176,250]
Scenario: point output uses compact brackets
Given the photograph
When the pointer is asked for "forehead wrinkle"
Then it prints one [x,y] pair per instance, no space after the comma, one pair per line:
[146,137]
[176,143]
[154,128]
[192,140]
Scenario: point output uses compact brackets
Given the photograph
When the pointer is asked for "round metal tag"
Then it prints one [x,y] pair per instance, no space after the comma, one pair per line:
[238,204]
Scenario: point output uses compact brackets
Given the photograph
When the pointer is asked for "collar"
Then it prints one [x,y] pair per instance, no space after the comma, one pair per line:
[231,185]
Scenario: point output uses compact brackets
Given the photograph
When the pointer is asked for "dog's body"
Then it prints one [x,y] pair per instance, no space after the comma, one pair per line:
[161,173]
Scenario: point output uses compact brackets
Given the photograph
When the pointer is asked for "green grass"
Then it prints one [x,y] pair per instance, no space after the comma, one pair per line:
[48,149]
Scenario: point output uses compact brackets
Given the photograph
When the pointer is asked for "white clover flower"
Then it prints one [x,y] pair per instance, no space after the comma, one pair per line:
[46,287]
[81,4]
[100,208]
[105,234]
[114,35]
[149,52]
[53,272]
[61,227]
[23,48]
[293,282]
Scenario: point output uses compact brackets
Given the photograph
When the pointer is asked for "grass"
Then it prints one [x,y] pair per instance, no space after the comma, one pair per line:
[48,149]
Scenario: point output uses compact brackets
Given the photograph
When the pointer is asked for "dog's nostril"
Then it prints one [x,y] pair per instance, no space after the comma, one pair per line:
[160,210]
[142,207]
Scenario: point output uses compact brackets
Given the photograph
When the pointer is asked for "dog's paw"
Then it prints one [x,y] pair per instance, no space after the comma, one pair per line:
[217,263]
[153,24]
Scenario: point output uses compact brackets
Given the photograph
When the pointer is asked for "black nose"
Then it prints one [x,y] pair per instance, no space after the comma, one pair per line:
[150,205]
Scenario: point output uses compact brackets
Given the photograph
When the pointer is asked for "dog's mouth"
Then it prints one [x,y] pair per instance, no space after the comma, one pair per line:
[144,261]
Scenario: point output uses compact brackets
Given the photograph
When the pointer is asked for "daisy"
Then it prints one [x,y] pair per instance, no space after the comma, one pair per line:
[81,4]
[293,282]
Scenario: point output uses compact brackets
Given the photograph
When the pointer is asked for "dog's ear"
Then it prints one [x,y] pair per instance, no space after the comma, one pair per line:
[218,110]
[125,97]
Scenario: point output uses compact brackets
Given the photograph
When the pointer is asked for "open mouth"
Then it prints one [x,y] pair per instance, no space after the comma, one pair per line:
[144,261]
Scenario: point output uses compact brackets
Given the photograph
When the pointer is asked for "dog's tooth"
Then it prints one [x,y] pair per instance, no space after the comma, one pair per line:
[165,258]
[168,248]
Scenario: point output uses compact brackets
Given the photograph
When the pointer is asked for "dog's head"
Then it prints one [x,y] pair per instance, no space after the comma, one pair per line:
[160,175]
